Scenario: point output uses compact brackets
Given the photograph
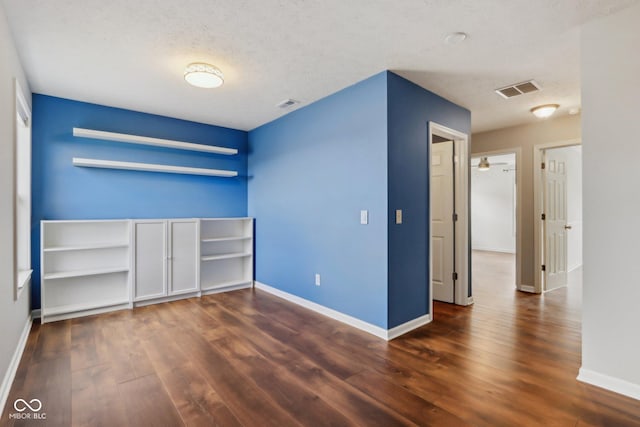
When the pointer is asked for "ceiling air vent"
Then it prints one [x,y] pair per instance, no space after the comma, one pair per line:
[287,103]
[518,89]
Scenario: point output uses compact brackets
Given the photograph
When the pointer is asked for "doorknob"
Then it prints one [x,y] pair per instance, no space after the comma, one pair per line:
[567,227]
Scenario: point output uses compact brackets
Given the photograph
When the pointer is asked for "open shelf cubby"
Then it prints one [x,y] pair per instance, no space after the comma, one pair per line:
[84,267]
[226,253]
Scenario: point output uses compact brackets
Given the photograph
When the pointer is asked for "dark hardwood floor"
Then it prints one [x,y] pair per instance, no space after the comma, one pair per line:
[248,358]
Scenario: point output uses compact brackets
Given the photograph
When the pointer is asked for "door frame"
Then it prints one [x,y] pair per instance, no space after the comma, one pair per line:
[461,174]
[518,153]
[538,229]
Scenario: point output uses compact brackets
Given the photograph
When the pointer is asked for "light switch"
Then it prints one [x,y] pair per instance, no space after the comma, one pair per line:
[364,217]
[398,216]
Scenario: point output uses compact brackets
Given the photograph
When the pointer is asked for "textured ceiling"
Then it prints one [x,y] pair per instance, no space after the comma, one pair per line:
[131,54]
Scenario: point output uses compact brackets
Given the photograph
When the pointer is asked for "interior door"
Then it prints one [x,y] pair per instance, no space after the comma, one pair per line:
[555,222]
[183,258]
[150,280]
[442,209]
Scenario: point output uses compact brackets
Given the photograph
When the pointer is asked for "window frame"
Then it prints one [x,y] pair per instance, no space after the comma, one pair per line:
[21,238]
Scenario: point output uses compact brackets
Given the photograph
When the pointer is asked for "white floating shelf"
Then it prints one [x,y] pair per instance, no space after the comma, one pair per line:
[80,273]
[148,167]
[225,239]
[156,142]
[225,256]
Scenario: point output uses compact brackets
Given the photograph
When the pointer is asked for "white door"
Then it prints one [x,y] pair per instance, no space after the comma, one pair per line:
[150,280]
[183,248]
[442,208]
[555,222]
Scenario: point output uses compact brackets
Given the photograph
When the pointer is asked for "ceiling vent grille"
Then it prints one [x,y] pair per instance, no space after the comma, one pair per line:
[287,103]
[518,89]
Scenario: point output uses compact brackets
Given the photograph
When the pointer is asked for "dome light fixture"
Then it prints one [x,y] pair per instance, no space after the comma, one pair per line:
[203,75]
[455,38]
[544,111]
[484,164]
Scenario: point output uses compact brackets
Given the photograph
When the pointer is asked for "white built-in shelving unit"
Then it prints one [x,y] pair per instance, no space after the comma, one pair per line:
[94,266]
[84,267]
[226,254]
[155,142]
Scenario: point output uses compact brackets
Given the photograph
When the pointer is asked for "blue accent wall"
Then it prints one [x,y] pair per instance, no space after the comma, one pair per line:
[311,172]
[411,108]
[63,191]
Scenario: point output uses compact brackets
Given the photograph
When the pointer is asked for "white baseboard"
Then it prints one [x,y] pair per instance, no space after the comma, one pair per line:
[36,314]
[10,375]
[408,326]
[345,318]
[609,383]
[498,250]
[575,267]
[527,288]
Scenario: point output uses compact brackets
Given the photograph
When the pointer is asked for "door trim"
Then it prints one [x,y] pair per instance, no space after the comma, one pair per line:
[538,254]
[518,153]
[461,227]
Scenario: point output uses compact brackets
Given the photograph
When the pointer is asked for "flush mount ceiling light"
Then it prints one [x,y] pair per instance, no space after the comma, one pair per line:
[484,164]
[544,111]
[203,75]
[455,38]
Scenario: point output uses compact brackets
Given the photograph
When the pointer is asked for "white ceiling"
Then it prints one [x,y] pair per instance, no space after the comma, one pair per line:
[132,53]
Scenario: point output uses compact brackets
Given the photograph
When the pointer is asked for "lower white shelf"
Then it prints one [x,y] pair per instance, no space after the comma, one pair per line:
[225,256]
[72,308]
[80,273]
[207,287]
[85,247]
[148,167]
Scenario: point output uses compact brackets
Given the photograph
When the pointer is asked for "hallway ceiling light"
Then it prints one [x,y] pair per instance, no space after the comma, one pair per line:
[203,75]
[544,111]
[484,164]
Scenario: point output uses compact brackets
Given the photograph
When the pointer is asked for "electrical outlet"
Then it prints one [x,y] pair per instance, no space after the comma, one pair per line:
[317,279]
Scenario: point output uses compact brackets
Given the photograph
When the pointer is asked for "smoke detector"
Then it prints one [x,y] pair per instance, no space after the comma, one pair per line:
[518,89]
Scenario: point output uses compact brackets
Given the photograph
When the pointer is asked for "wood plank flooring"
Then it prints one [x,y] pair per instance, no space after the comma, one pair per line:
[246,358]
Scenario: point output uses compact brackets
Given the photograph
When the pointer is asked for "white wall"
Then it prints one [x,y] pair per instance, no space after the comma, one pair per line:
[493,206]
[611,150]
[13,314]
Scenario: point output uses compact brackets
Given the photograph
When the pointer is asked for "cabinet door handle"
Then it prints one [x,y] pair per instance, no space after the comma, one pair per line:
[567,227]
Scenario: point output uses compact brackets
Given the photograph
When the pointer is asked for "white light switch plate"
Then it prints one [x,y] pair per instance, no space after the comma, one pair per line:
[364,217]
[398,216]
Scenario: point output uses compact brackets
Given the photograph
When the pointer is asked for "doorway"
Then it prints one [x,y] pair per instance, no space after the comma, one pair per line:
[449,216]
[494,219]
[558,238]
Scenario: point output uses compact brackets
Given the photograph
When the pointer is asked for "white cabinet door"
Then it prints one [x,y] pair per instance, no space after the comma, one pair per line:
[150,260]
[183,256]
